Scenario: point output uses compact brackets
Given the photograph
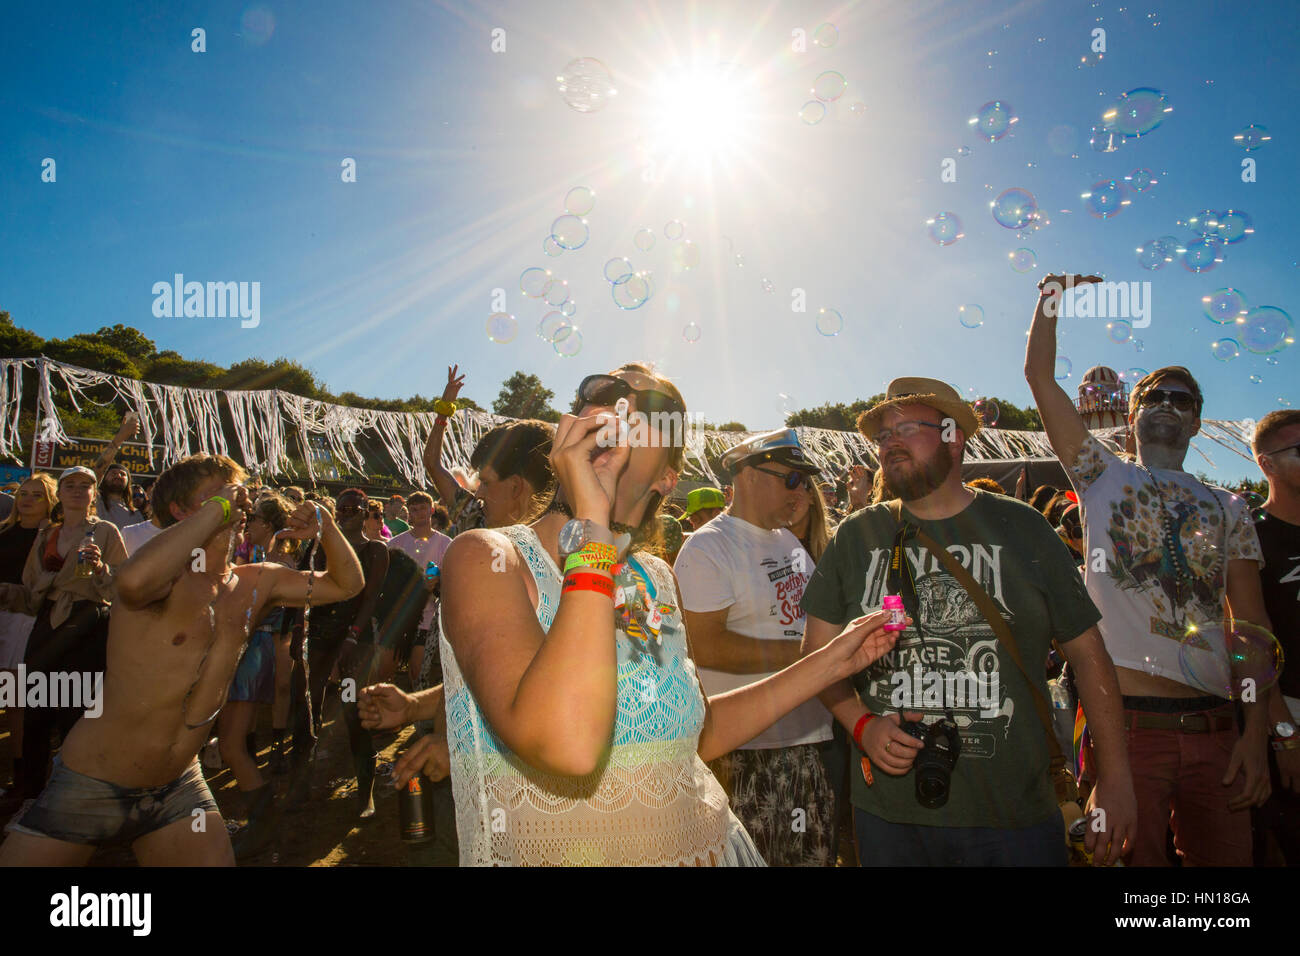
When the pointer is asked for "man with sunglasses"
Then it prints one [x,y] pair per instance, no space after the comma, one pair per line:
[741,577]
[949,663]
[1276,445]
[1163,555]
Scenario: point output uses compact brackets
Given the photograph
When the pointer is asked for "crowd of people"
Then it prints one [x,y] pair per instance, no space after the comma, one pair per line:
[601,670]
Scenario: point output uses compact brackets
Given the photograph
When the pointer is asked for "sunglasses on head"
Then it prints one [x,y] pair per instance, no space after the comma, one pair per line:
[608,389]
[792,479]
[1183,401]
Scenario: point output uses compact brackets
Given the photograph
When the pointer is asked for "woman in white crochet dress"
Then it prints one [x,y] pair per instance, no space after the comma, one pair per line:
[576,726]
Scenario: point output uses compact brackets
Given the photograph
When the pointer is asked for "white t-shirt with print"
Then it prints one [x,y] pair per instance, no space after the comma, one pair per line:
[759,575]
[1161,594]
[422,551]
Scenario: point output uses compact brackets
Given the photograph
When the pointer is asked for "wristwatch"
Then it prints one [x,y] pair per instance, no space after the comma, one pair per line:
[1283,730]
[575,535]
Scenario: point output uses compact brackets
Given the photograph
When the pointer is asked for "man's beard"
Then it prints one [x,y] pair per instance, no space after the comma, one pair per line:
[920,481]
[1163,433]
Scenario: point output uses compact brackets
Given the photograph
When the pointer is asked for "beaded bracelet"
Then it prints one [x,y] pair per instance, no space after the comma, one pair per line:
[589,582]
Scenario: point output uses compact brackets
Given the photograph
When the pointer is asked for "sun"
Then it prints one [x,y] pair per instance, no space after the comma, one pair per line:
[700,114]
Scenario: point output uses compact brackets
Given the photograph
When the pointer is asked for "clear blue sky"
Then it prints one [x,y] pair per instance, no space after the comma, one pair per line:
[225,165]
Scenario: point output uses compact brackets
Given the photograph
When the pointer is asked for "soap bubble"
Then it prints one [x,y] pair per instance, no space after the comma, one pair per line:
[1131,376]
[1236,660]
[644,239]
[971,316]
[740,260]
[533,282]
[858,109]
[994,120]
[1224,306]
[685,255]
[768,285]
[1271,360]
[585,85]
[557,292]
[1139,111]
[1022,259]
[691,334]
[945,228]
[829,322]
[1234,226]
[1140,180]
[1063,368]
[829,86]
[1202,255]
[632,292]
[552,248]
[673,229]
[569,308]
[786,405]
[1106,198]
[1252,137]
[569,232]
[1151,256]
[579,201]
[1203,223]
[568,341]
[1266,330]
[1119,331]
[502,327]
[1105,139]
[1169,247]
[812,112]
[987,411]
[551,323]
[826,35]
[1256,378]
[963,151]
[618,269]
[1225,350]
[1015,208]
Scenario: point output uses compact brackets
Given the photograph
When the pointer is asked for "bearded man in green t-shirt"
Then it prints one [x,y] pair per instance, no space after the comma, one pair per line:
[998,808]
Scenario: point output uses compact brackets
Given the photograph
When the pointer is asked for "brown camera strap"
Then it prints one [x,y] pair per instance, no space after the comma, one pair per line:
[996,621]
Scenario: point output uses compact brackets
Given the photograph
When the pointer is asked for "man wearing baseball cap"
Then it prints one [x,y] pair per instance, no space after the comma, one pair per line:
[741,577]
[703,505]
[949,669]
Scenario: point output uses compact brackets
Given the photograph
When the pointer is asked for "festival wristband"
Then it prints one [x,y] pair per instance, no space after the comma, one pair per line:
[589,582]
[860,726]
[225,507]
[867,776]
[1285,743]
[444,407]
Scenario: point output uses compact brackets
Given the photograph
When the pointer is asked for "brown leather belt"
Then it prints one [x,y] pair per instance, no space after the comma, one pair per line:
[1197,722]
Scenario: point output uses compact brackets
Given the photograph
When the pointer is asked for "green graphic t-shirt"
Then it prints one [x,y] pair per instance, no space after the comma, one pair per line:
[1001,775]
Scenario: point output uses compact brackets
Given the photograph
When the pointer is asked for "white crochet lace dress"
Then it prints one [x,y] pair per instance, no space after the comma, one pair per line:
[652,802]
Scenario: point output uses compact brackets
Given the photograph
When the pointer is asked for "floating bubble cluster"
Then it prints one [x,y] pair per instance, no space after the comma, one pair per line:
[617,269]
[533,282]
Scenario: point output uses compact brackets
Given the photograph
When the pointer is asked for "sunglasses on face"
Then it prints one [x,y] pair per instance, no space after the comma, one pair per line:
[1283,451]
[1183,401]
[904,431]
[347,508]
[791,479]
[608,389]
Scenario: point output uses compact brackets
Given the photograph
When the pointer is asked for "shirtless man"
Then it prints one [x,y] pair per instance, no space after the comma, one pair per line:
[179,624]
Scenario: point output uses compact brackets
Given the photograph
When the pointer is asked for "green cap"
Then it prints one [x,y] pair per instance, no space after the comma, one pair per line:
[704,498]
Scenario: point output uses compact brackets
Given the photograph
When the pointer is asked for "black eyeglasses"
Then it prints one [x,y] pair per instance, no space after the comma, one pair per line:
[608,389]
[792,479]
[1279,451]
[1183,401]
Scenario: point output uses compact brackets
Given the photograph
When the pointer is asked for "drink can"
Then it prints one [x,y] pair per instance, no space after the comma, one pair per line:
[1077,831]
[415,810]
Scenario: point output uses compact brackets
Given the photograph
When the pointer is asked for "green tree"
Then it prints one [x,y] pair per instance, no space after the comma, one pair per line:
[89,352]
[130,342]
[170,368]
[16,342]
[284,374]
[524,396]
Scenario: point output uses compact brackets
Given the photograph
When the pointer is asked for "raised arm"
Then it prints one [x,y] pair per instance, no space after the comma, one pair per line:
[442,478]
[149,574]
[342,577]
[130,425]
[1065,429]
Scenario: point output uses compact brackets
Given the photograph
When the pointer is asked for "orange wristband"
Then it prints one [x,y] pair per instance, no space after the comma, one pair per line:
[588,582]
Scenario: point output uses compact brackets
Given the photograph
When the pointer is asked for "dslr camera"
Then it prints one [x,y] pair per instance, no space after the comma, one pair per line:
[933,766]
